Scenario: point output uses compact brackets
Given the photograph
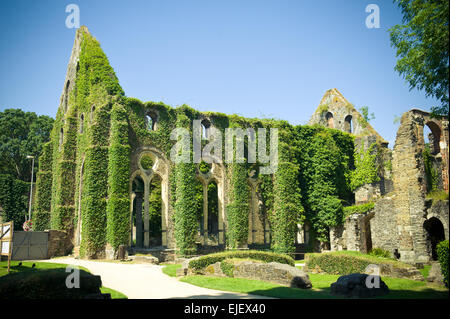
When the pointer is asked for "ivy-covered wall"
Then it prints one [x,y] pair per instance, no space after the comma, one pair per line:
[99,134]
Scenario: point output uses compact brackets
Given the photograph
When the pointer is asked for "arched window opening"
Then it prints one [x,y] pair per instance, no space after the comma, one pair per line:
[61,137]
[329,119]
[66,95]
[432,137]
[348,124]
[206,124]
[213,213]
[199,208]
[434,235]
[155,212]
[137,217]
[82,123]
[150,121]
[432,159]
[92,113]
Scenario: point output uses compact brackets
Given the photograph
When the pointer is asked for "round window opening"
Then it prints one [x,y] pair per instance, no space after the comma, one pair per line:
[146,162]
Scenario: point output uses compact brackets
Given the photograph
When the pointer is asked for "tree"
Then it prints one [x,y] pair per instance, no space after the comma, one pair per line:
[422,48]
[22,134]
[365,113]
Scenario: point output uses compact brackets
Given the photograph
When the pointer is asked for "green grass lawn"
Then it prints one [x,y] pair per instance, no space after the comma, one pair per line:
[399,288]
[425,271]
[27,266]
[171,270]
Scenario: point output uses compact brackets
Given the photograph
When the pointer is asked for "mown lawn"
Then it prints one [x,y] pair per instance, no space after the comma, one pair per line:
[27,266]
[399,288]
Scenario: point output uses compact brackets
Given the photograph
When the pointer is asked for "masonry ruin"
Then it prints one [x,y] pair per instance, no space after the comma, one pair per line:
[106,179]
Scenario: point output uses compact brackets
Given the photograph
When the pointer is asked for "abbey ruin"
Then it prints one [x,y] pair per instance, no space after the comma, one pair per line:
[107,181]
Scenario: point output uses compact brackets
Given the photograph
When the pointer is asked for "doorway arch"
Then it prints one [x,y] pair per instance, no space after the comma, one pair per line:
[435,233]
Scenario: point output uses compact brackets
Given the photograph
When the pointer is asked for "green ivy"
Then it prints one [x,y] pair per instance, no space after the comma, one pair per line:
[366,170]
[443,257]
[358,209]
[14,200]
[238,209]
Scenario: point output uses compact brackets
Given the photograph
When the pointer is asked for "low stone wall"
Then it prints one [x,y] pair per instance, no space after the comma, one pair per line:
[59,243]
[354,234]
[273,272]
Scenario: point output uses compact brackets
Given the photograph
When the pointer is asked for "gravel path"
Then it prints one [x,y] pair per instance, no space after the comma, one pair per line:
[146,281]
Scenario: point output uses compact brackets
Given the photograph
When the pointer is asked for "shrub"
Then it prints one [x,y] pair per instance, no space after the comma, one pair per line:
[358,209]
[265,256]
[380,252]
[442,252]
[345,263]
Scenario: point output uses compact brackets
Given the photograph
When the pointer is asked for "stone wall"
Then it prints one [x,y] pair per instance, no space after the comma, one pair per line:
[354,234]
[59,243]
[383,225]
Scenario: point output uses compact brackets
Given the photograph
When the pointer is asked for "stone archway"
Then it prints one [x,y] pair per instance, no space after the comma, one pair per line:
[213,226]
[153,173]
[435,233]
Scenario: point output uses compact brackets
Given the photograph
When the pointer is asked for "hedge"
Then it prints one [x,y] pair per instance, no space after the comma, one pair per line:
[442,252]
[204,261]
[341,263]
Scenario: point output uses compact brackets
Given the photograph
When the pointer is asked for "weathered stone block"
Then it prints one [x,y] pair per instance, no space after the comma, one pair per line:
[146,259]
[355,286]
[273,272]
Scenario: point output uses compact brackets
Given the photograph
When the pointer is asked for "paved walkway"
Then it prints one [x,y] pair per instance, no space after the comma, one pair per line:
[146,281]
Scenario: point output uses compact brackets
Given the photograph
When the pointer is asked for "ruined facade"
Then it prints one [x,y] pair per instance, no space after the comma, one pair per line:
[405,220]
[106,178]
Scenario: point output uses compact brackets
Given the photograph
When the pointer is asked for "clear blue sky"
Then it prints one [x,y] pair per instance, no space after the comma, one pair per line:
[254,58]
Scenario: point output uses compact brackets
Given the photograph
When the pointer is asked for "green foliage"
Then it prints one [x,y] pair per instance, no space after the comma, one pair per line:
[154,209]
[358,209]
[366,117]
[287,207]
[443,257]
[185,217]
[325,161]
[227,268]
[422,48]
[44,178]
[118,206]
[380,252]
[13,200]
[22,134]
[366,169]
[146,162]
[238,209]
[204,261]
[438,195]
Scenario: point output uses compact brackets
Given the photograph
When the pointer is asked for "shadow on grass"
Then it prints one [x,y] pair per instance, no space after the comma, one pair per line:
[295,293]
[292,293]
